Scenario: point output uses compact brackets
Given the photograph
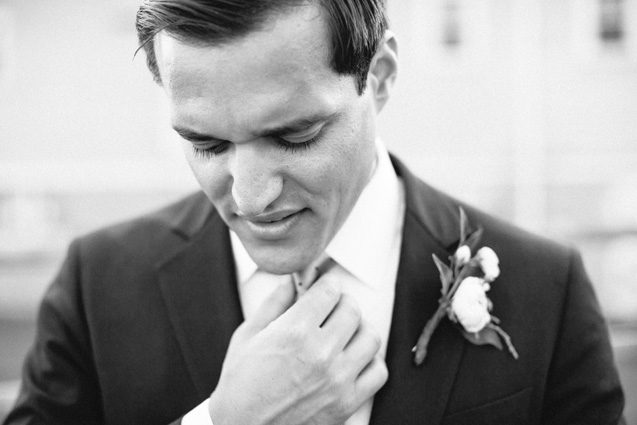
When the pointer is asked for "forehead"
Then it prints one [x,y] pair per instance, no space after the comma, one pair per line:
[285,65]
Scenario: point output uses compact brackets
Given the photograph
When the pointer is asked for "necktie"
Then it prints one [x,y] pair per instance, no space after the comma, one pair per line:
[257,288]
[304,280]
[261,284]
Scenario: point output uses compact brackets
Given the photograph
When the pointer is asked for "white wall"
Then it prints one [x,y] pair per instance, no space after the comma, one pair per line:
[529,116]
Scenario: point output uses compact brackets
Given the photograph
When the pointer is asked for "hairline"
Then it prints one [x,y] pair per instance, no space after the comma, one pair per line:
[260,24]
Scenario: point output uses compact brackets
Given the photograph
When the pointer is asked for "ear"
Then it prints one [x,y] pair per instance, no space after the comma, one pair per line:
[383,70]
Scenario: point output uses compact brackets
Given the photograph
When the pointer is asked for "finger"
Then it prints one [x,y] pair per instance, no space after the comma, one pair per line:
[343,323]
[274,306]
[317,303]
[371,379]
[362,348]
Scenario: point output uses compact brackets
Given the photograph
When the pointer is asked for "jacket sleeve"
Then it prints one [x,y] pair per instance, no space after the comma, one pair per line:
[59,382]
[583,385]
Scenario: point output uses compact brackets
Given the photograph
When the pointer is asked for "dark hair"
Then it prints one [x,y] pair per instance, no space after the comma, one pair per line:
[356,27]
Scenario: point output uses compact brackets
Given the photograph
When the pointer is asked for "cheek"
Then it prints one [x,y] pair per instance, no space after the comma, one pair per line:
[338,175]
[209,173]
[323,173]
[342,164]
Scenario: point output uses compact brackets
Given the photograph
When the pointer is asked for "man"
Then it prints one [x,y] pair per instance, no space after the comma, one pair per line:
[190,314]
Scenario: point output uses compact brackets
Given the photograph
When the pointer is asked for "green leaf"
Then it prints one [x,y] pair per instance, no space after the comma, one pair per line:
[474,239]
[487,336]
[464,224]
[446,275]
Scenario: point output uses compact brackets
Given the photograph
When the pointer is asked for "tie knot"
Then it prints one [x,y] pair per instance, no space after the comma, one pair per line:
[305,279]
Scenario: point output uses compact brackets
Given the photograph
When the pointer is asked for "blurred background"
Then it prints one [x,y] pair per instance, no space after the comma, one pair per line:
[526,108]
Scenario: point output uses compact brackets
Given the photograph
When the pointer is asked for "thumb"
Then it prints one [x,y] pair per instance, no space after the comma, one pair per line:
[274,305]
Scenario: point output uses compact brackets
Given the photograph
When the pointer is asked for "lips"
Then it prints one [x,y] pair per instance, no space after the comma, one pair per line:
[273,226]
[272,217]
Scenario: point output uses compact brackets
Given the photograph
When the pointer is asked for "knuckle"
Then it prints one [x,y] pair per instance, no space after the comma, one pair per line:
[344,404]
[294,336]
[352,308]
[371,336]
[337,382]
[342,390]
[298,333]
[316,360]
[331,287]
[383,371]
[322,357]
[382,374]
[376,341]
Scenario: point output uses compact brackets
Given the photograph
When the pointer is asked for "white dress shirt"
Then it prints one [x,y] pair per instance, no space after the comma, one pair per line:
[366,250]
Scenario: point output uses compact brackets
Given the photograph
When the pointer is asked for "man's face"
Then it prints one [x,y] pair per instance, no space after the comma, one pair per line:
[280,143]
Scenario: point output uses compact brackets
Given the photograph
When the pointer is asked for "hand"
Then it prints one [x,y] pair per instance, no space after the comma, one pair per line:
[313,362]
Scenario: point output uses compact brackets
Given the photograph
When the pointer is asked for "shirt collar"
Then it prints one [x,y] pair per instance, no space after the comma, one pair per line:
[244,265]
[364,243]
[366,240]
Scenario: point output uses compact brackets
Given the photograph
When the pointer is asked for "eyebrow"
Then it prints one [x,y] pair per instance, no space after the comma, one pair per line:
[288,128]
[194,136]
[298,125]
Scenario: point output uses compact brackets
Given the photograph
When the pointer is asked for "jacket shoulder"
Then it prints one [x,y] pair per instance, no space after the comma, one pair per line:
[545,262]
[437,213]
[526,243]
[149,235]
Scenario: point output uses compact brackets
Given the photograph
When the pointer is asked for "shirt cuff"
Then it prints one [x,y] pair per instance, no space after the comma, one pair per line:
[199,415]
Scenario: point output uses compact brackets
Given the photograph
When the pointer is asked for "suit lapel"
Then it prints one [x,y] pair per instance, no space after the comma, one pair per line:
[418,395]
[198,284]
[199,288]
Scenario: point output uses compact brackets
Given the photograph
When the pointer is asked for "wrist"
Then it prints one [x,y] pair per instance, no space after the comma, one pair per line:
[216,411]
[199,415]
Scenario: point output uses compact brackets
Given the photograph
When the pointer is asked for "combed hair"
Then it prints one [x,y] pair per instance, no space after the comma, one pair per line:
[356,27]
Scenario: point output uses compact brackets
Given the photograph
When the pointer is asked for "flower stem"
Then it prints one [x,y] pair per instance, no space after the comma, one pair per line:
[420,349]
[464,272]
[507,340]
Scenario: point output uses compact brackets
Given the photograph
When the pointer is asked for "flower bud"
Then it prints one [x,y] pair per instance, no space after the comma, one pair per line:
[489,263]
[462,255]
[471,305]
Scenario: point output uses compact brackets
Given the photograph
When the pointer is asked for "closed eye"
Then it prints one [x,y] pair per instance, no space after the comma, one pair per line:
[205,146]
[296,146]
[208,150]
[300,140]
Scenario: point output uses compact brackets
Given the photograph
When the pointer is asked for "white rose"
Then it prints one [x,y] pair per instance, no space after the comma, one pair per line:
[470,304]
[463,254]
[489,263]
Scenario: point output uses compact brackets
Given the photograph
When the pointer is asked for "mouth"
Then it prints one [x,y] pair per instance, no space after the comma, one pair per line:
[273,217]
[274,225]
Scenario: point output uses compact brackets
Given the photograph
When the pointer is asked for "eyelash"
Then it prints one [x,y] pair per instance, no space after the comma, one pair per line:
[295,147]
[282,143]
[209,152]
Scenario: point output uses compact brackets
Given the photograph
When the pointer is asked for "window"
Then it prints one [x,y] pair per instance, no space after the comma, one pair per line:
[611,21]
[6,42]
[451,23]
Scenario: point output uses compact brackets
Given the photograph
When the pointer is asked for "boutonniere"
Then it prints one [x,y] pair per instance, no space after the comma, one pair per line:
[465,281]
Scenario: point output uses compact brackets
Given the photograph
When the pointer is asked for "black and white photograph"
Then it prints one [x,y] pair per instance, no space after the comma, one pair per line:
[318,212]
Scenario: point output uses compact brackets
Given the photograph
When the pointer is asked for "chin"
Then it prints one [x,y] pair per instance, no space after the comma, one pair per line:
[281,261]
[280,267]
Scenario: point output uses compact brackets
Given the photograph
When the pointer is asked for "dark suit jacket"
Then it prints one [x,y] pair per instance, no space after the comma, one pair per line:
[135,327]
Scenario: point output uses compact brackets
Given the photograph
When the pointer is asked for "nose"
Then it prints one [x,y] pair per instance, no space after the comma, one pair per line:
[257,182]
